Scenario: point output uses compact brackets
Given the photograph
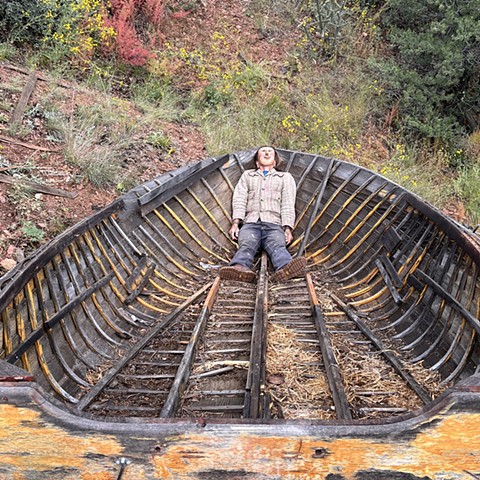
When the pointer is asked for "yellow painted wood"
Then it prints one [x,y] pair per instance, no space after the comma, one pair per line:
[449,449]
[29,444]
[192,235]
[444,447]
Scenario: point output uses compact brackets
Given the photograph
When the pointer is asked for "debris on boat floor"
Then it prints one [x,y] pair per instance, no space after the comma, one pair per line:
[295,377]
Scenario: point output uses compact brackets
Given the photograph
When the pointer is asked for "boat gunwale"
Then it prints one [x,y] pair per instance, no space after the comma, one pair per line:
[462,398]
[17,278]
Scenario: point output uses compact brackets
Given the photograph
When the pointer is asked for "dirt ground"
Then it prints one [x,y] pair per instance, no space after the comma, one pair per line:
[32,156]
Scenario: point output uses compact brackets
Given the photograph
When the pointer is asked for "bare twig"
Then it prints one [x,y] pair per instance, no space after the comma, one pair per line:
[14,141]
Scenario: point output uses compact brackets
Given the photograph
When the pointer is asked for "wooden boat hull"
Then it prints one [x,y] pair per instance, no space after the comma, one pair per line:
[108,333]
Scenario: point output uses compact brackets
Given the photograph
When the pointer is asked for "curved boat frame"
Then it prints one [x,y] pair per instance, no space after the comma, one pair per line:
[83,306]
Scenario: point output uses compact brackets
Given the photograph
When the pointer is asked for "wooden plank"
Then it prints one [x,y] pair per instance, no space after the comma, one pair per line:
[389,281]
[183,371]
[439,290]
[37,187]
[256,370]
[24,98]
[342,407]
[141,284]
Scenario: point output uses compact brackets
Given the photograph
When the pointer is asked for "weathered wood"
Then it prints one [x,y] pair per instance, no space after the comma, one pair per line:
[24,98]
[40,76]
[342,408]
[313,213]
[49,324]
[442,445]
[408,273]
[178,182]
[389,280]
[474,322]
[37,187]
[30,146]
[416,387]
[12,373]
[183,370]
[44,254]
[256,372]
[107,378]
[140,283]
[11,167]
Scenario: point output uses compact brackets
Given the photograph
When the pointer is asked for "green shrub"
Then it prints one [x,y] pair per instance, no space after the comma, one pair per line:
[59,30]
[31,232]
[324,24]
[23,21]
[467,187]
[160,141]
[7,51]
[433,75]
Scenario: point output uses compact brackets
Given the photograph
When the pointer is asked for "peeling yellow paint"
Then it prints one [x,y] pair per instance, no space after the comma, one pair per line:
[27,442]
[443,447]
[97,476]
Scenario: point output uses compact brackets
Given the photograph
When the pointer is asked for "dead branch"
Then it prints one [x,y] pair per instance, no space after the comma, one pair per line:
[11,167]
[14,141]
[37,187]
[40,76]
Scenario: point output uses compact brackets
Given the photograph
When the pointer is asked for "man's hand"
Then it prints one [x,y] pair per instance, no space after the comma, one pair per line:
[288,235]
[233,232]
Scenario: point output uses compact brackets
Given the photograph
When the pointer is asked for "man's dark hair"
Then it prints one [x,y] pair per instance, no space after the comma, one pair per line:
[278,159]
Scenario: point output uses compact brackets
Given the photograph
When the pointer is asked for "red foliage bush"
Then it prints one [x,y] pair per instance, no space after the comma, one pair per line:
[138,27]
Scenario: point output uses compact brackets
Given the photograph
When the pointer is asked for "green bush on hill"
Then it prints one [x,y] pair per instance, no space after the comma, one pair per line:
[433,73]
[23,22]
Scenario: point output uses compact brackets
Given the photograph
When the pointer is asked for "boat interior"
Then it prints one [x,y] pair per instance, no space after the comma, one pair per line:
[124,317]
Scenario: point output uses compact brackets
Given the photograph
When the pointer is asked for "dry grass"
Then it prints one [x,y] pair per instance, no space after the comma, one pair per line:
[297,382]
[298,389]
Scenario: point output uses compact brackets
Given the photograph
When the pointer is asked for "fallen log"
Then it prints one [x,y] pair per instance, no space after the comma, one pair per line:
[37,187]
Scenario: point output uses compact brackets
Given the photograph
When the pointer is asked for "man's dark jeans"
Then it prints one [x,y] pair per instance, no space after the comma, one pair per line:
[265,236]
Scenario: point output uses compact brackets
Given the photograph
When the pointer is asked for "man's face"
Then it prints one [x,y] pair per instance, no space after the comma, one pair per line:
[266,157]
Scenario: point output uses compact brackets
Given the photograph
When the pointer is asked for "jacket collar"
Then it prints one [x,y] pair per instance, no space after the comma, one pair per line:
[273,171]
